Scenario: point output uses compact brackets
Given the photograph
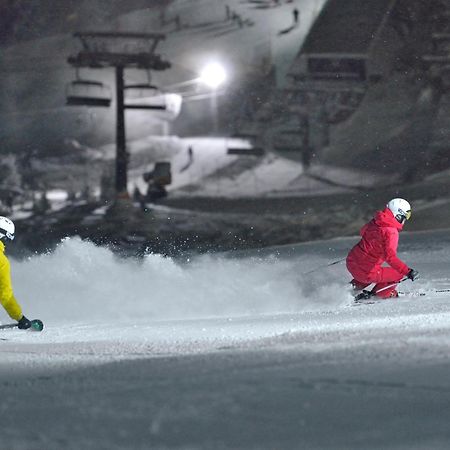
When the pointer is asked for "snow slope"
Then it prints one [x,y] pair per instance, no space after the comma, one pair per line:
[226,352]
[212,172]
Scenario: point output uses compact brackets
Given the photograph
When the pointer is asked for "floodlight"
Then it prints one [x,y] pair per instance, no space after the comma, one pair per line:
[213,75]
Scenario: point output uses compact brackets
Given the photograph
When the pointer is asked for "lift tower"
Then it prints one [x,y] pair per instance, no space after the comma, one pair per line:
[120,51]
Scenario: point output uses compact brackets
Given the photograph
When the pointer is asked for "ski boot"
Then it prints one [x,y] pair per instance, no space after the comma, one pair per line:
[364,295]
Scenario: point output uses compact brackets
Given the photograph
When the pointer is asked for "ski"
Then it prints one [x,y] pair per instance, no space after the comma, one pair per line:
[423,293]
[36,325]
[412,294]
[364,301]
[368,298]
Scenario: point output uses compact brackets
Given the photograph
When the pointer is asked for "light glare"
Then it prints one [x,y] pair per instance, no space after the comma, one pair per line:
[213,75]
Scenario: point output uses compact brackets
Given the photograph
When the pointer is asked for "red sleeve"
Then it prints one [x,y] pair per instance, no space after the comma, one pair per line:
[363,229]
[391,244]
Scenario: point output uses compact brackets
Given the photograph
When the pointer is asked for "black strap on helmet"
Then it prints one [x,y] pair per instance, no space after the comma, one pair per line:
[6,233]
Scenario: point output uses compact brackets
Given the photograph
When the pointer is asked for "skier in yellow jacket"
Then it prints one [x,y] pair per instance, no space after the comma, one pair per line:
[7,298]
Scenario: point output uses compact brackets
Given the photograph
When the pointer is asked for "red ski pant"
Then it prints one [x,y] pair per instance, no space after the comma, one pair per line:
[383,276]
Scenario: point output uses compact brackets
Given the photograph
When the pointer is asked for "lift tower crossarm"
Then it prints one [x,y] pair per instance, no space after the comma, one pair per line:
[99,60]
[87,38]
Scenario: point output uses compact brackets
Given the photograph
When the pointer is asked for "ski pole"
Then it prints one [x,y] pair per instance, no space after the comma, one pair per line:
[324,266]
[387,287]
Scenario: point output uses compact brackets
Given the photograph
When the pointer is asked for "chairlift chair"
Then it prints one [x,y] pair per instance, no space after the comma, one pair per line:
[88,93]
[141,90]
[144,96]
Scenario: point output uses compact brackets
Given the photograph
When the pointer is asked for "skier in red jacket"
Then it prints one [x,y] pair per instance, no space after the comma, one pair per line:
[378,244]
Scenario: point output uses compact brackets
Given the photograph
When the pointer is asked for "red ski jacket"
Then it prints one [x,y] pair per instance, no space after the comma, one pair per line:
[378,245]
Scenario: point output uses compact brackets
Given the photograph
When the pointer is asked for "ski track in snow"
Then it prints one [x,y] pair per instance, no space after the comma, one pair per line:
[225,351]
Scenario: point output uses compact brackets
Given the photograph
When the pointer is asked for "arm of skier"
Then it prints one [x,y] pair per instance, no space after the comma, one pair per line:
[363,229]
[392,259]
[7,299]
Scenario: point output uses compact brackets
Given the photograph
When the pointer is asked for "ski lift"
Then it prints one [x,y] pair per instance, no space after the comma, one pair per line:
[88,93]
[144,96]
[140,90]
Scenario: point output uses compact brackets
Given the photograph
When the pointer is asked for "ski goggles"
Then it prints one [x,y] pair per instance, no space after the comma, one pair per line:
[405,215]
[7,234]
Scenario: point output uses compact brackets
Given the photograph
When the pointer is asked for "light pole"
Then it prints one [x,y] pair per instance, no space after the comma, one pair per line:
[213,75]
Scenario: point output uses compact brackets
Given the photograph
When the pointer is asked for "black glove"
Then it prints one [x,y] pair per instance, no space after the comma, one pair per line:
[24,323]
[413,274]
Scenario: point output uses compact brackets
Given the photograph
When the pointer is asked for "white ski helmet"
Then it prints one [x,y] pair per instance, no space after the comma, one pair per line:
[400,208]
[7,228]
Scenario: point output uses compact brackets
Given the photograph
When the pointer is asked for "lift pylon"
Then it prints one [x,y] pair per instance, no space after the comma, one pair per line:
[120,51]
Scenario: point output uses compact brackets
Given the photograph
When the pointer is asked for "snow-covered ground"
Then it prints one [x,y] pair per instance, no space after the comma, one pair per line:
[212,172]
[245,351]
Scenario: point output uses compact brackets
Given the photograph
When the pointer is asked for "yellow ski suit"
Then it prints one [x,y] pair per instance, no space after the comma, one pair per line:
[7,298]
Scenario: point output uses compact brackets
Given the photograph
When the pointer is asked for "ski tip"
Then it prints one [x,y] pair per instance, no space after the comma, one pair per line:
[37,325]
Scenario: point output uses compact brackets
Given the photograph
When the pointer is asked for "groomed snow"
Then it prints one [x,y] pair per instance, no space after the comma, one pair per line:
[226,352]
